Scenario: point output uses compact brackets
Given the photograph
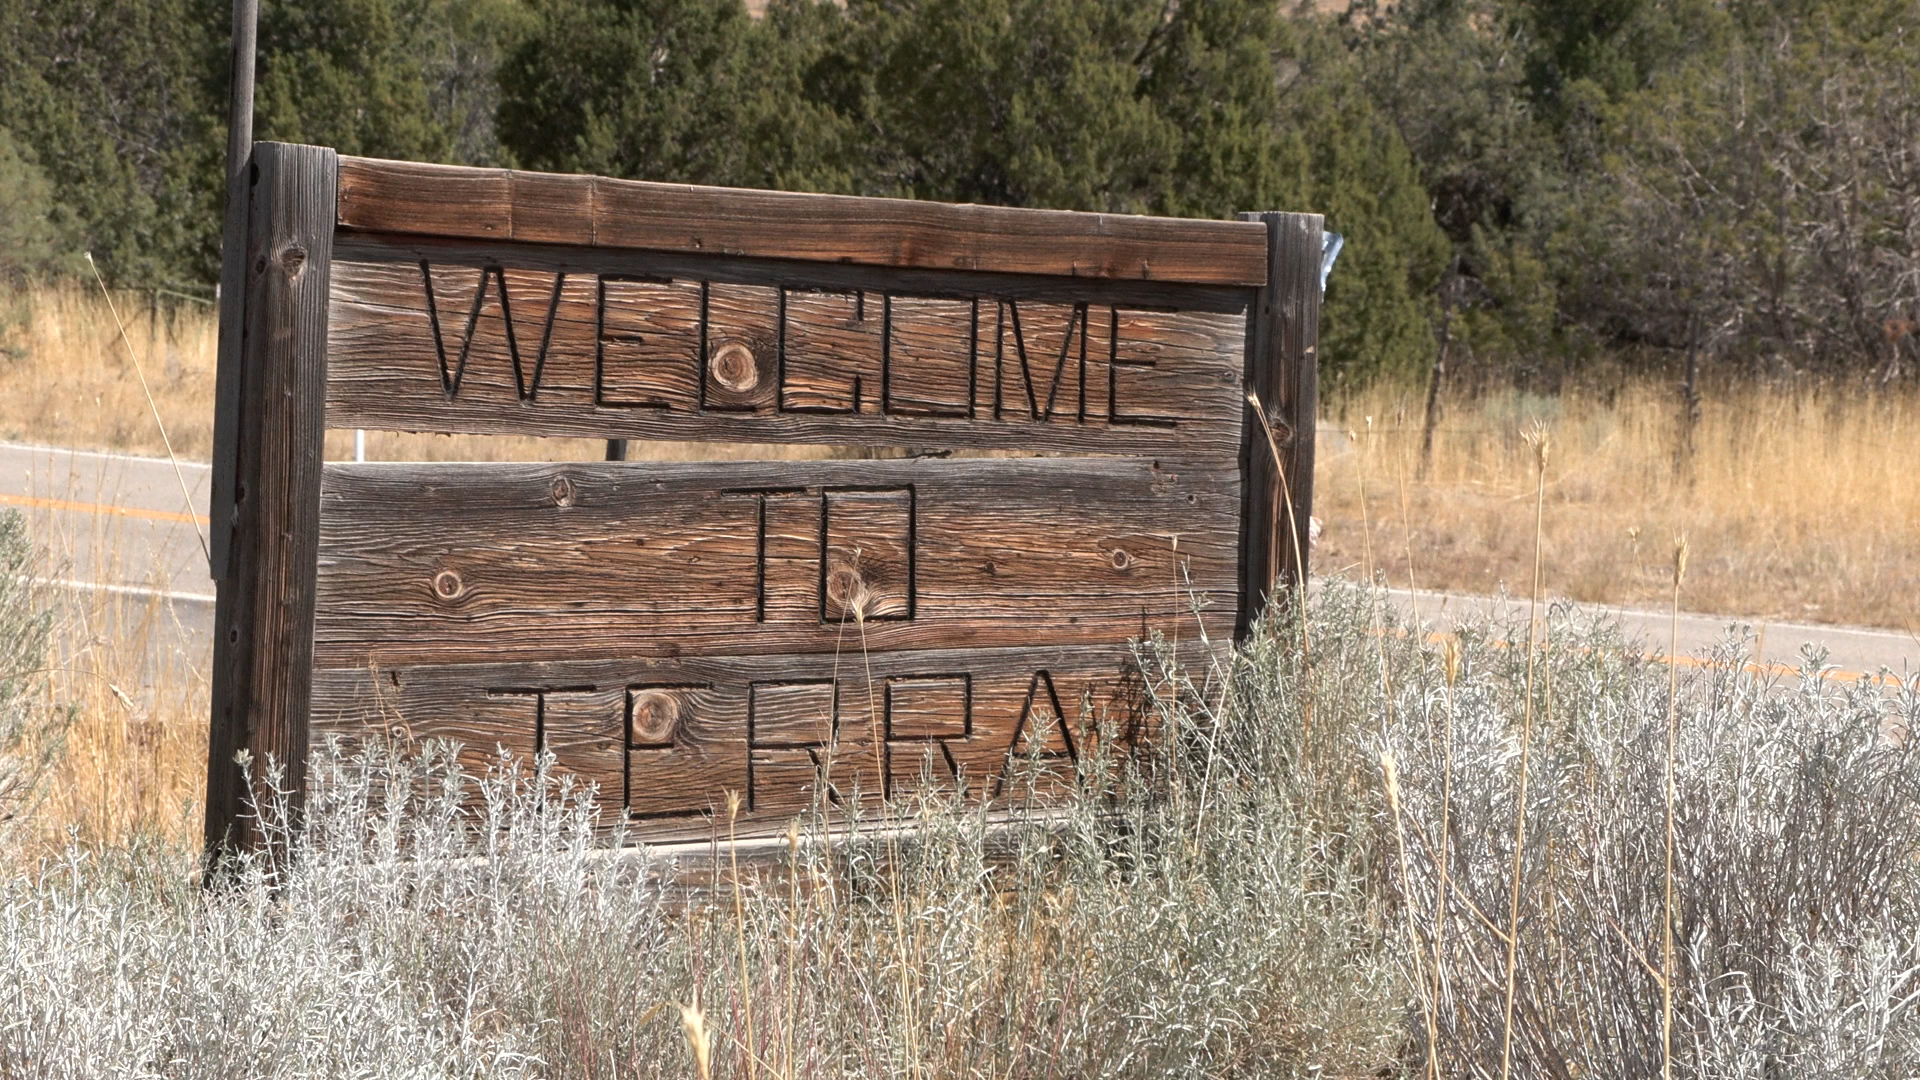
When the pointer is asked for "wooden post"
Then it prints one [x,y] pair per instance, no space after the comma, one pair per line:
[263,615]
[153,325]
[1438,375]
[233,277]
[1283,373]
[1689,402]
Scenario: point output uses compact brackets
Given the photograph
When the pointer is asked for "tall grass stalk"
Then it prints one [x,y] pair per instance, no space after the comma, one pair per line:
[1299,589]
[752,1048]
[153,407]
[1450,668]
[1671,803]
[1538,439]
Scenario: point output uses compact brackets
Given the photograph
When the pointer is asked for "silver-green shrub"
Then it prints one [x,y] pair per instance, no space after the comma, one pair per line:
[1795,855]
[1245,899]
[28,733]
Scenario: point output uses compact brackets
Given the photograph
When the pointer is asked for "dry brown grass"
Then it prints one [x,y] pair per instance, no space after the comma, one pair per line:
[70,384]
[124,692]
[1800,503]
[135,695]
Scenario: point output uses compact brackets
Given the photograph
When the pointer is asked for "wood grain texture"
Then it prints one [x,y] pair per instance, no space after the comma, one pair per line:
[664,739]
[451,201]
[1283,370]
[233,278]
[574,347]
[226,380]
[263,615]
[438,564]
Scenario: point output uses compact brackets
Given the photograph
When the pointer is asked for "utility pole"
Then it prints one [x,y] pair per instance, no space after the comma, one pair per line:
[233,277]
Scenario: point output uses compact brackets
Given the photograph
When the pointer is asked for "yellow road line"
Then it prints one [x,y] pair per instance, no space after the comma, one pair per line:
[72,507]
[1754,667]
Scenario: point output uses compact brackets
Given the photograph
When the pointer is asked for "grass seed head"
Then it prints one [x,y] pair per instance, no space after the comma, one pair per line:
[1450,658]
[693,1023]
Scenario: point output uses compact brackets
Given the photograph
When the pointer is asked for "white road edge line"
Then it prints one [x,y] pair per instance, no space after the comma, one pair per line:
[1651,615]
[123,590]
[36,448]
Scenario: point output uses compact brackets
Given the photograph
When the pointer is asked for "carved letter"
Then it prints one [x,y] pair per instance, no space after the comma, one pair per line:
[932,348]
[866,555]
[1041,730]
[795,740]
[1114,363]
[830,351]
[742,347]
[452,373]
[648,351]
[675,767]
[1031,341]
[924,714]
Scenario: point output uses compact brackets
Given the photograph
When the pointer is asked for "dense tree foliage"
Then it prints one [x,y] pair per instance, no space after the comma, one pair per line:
[395,78]
[114,105]
[1733,179]
[30,242]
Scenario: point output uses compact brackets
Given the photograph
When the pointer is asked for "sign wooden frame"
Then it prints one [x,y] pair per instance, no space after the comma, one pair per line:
[675,631]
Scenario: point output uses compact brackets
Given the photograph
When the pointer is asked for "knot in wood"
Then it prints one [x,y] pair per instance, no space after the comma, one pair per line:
[733,367]
[656,716]
[1282,432]
[562,491]
[447,585]
[1120,559]
[848,591]
[293,260]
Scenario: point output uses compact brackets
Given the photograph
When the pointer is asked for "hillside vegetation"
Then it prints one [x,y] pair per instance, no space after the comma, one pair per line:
[1539,183]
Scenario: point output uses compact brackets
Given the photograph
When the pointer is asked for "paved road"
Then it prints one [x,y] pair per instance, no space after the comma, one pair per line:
[119,523]
[112,519]
[122,545]
[1854,652]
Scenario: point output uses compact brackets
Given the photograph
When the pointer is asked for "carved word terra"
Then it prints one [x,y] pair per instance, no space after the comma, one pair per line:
[665,752]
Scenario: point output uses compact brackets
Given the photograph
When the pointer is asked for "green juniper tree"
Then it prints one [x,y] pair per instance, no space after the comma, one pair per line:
[30,243]
[112,103]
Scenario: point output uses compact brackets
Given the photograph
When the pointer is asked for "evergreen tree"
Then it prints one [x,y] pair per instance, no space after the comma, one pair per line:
[1015,102]
[411,79]
[30,244]
[678,90]
[1342,158]
[116,104]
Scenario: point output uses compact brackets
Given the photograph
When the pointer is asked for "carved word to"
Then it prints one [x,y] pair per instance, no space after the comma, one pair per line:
[860,539]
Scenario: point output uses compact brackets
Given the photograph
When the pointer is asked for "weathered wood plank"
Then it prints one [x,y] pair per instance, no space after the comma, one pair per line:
[1283,371]
[667,738]
[263,615]
[450,201]
[354,246]
[464,345]
[473,562]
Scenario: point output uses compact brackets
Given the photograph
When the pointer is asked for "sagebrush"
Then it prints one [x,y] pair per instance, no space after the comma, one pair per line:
[1246,901]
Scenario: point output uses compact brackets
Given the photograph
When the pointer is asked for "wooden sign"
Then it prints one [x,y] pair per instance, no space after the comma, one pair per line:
[807,634]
